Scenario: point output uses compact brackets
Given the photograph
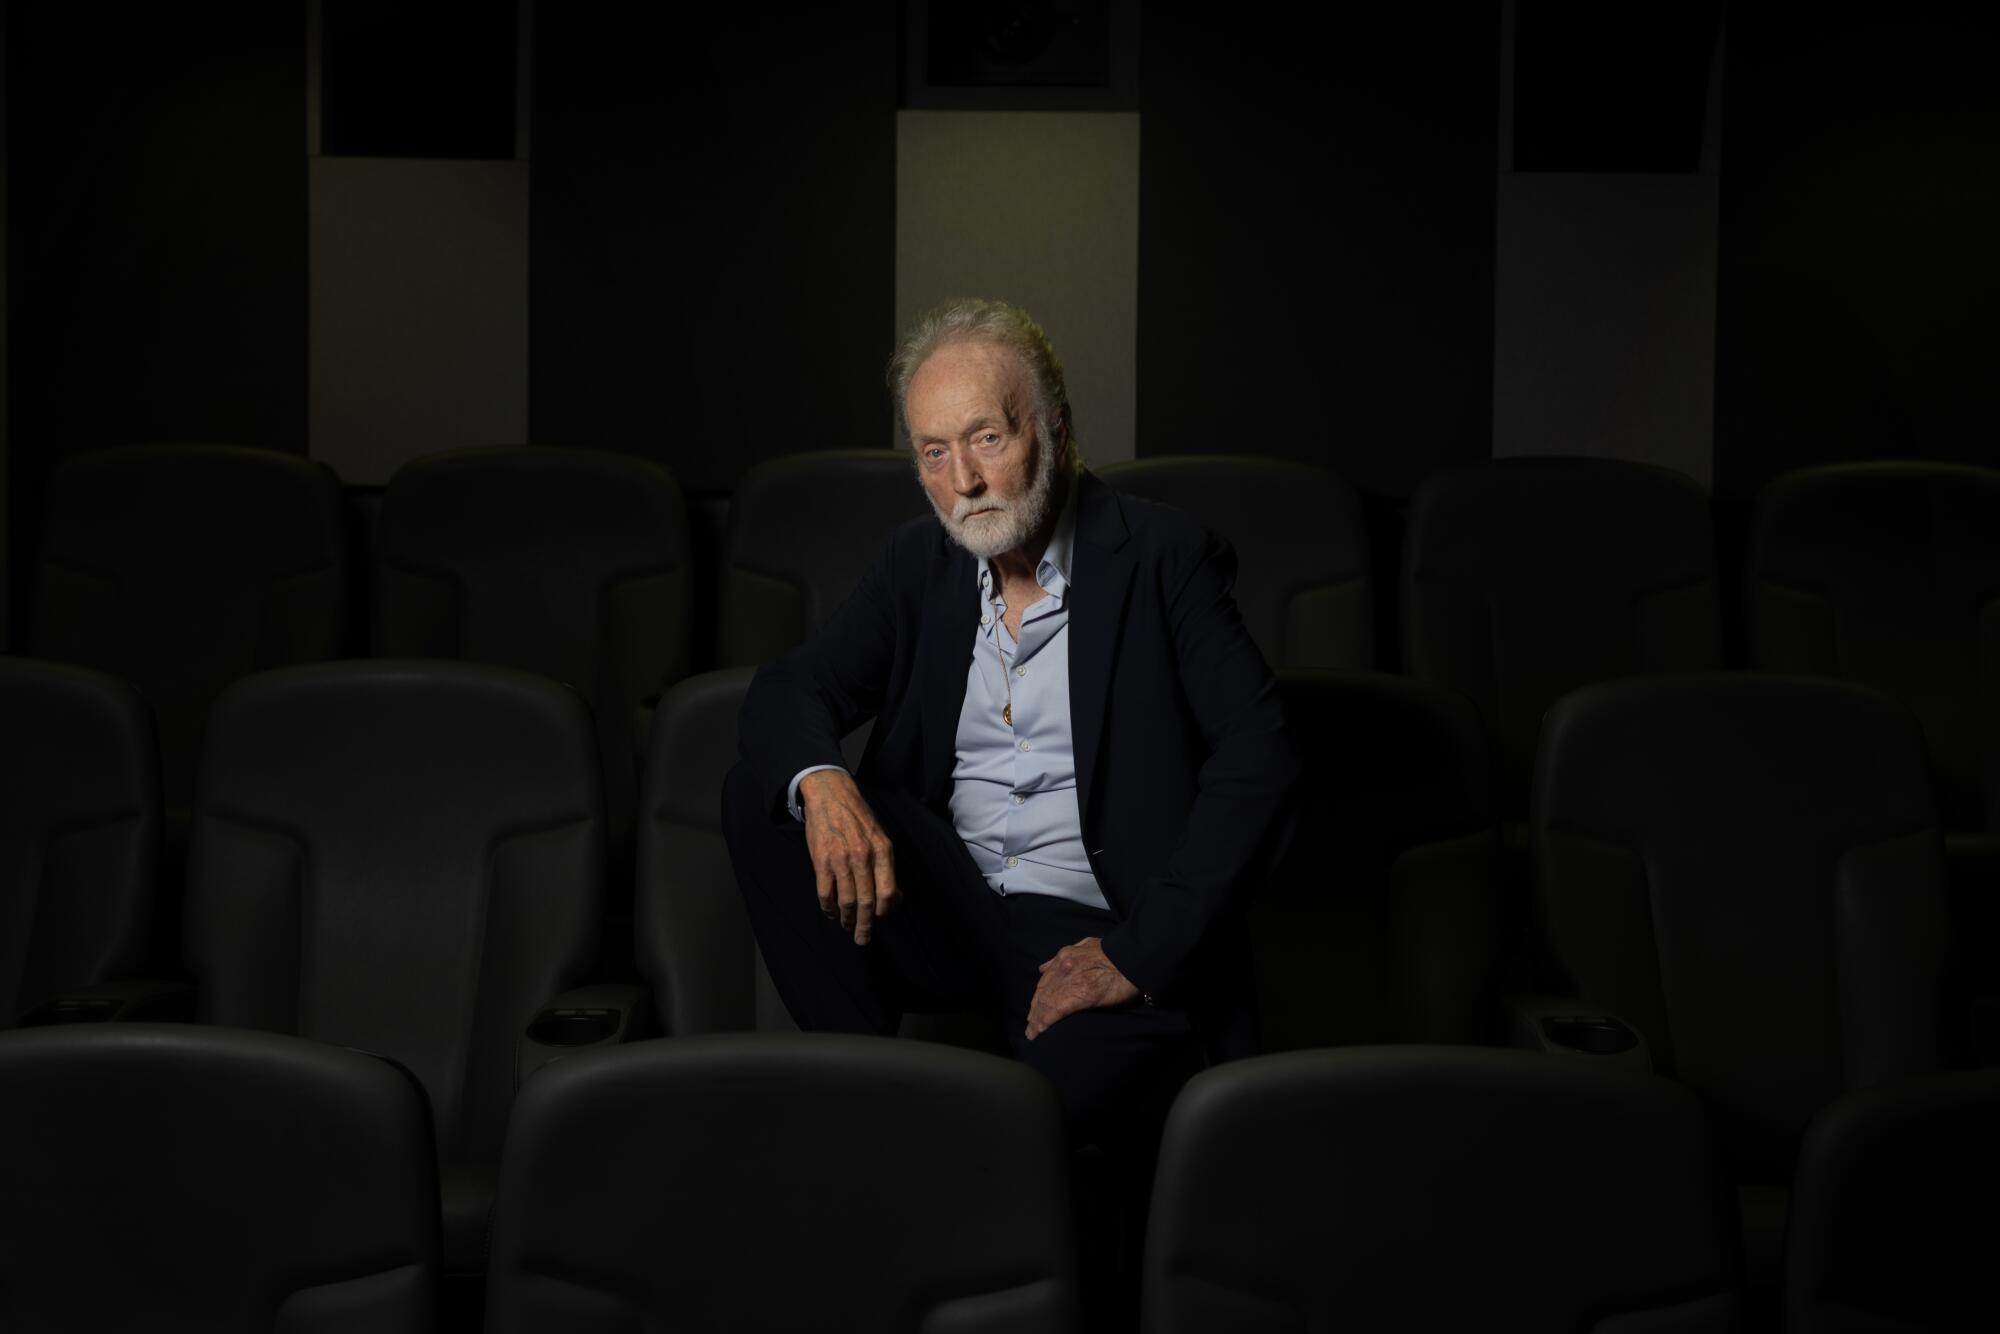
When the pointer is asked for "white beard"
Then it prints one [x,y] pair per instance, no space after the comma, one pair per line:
[1004,525]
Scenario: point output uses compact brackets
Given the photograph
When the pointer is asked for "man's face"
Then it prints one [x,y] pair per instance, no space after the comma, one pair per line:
[987,470]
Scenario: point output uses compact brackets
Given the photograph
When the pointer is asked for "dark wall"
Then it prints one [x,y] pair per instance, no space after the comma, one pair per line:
[1859,272]
[157,241]
[156,231]
[712,233]
[1316,235]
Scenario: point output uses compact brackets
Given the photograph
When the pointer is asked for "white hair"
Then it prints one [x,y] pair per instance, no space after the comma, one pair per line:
[971,319]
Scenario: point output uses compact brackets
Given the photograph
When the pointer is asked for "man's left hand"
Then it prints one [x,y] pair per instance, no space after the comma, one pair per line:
[1078,978]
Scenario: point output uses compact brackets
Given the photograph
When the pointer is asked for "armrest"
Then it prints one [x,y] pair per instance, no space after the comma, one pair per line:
[593,1016]
[110,1002]
[1562,1026]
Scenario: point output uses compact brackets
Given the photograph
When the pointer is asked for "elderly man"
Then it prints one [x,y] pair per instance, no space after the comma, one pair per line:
[1078,769]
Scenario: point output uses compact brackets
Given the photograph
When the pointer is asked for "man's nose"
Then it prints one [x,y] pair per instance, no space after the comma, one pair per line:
[965,478]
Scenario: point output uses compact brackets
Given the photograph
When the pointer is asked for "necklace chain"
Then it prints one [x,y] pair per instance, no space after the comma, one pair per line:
[999,622]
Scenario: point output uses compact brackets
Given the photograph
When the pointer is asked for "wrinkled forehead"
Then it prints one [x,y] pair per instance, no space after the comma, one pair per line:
[964,379]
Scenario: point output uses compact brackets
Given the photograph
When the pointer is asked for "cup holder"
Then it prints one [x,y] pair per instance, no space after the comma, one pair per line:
[1597,1035]
[69,1012]
[573,1028]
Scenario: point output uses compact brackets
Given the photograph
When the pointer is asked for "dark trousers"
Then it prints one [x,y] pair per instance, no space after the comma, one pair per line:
[951,943]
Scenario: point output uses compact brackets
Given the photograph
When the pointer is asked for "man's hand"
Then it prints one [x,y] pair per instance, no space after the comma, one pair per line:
[853,862]
[1078,978]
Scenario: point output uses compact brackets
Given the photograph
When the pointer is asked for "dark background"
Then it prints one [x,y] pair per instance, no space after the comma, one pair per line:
[1317,221]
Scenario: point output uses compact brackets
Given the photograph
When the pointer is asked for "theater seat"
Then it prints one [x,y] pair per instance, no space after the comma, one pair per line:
[802,530]
[1745,868]
[183,567]
[1433,1188]
[768,1182]
[406,857]
[1525,578]
[570,563]
[1302,567]
[1889,574]
[694,941]
[172,1177]
[1896,1219]
[79,831]
[1383,923]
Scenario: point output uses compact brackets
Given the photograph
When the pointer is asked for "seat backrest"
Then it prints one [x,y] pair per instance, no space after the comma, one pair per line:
[694,942]
[174,1177]
[1383,922]
[1436,1188]
[406,857]
[1889,574]
[79,831]
[1302,568]
[1896,1216]
[1747,867]
[183,567]
[802,531]
[1525,578]
[653,1186]
[571,563]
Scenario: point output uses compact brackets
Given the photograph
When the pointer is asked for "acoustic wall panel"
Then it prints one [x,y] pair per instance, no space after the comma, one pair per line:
[418,328]
[1040,208]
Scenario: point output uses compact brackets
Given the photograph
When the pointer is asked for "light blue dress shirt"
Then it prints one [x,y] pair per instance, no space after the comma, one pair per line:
[1014,794]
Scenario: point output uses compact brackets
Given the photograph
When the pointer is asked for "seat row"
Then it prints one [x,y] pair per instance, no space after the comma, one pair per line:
[163,1176]
[183,567]
[1737,882]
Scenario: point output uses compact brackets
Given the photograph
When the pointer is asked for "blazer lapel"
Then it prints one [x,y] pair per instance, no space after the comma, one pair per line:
[951,610]
[1098,595]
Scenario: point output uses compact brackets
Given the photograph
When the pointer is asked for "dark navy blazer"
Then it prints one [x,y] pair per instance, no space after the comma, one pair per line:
[1184,768]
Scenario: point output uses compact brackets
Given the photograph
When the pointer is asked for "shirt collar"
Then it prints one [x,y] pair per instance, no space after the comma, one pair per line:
[1053,572]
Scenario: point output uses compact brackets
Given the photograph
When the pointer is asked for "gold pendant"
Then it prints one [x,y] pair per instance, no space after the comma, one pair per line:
[1007,714]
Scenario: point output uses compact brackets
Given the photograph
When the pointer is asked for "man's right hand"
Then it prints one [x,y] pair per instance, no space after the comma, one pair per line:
[853,862]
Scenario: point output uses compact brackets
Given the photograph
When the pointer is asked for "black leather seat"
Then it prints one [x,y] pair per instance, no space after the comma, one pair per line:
[1887,574]
[406,857]
[1439,1188]
[172,1177]
[802,530]
[1383,923]
[570,563]
[183,567]
[79,831]
[1896,1218]
[1746,869]
[1525,578]
[1302,567]
[767,1182]
[694,941]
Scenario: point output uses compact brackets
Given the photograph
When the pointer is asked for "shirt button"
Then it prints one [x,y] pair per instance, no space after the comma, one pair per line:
[1027,745]
[986,620]
[1019,799]
[1020,671]
[1012,862]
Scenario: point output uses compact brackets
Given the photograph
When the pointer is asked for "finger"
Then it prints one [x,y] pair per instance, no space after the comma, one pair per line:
[845,889]
[823,885]
[864,916]
[885,878]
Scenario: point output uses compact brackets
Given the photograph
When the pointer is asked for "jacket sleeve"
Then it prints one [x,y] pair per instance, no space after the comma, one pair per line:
[800,705]
[1245,787]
